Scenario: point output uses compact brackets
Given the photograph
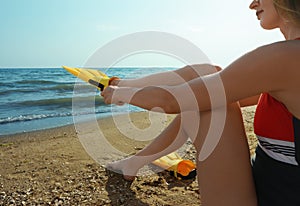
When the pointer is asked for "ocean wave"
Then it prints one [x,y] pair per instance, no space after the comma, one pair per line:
[56,88]
[23,118]
[37,82]
[69,87]
[31,117]
[2,84]
[67,101]
[13,91]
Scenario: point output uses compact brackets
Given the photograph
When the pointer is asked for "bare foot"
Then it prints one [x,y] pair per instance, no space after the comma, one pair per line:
[125,167]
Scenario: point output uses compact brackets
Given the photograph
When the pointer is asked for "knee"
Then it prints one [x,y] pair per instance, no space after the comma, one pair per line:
[205,69]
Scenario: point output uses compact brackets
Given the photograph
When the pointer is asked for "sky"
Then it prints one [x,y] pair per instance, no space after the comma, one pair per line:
[51,33]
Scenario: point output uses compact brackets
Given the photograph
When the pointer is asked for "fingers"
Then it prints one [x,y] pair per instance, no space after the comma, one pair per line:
[114,81]
[107,94]
[110,97]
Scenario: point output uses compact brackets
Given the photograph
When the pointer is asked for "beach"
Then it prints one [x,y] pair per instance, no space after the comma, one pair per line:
[51,167]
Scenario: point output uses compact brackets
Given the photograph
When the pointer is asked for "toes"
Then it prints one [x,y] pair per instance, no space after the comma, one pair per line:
[129,178]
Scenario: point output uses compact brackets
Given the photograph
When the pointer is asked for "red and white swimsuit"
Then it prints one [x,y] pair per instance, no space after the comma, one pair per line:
[278,131]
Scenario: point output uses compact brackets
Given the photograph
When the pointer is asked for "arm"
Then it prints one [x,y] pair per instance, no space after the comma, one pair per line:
[267,69]
[176,77]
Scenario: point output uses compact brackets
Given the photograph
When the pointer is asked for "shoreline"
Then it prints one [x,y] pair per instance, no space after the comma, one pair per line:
[52,167]
[33,133]
[54,128]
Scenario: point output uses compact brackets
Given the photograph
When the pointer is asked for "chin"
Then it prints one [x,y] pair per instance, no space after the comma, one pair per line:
[268,26]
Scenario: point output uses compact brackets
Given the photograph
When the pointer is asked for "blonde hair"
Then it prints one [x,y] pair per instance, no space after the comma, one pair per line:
[289,9]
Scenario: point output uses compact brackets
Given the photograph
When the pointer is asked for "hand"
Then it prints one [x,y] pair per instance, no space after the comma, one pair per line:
[114,81]
[110,97]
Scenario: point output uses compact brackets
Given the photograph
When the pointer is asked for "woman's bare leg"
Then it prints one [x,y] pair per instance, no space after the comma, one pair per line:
[171,139]
[225,177]
[174,136]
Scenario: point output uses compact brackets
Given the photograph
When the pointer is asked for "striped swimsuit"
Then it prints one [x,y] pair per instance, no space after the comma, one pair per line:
[276,168]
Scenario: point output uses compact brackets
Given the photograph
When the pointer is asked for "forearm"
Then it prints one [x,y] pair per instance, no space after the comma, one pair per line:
[166,99]
[169,78]
[200,94]
[159,99]
[164,78]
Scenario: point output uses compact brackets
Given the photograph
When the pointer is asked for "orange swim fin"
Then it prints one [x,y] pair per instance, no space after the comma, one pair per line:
[180,168]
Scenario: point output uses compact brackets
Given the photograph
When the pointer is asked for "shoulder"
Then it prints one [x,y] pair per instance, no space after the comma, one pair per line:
[276,57]
[269,68]
[271,58]
[285,48]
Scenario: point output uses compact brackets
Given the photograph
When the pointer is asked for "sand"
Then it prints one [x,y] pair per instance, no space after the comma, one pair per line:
[51,167]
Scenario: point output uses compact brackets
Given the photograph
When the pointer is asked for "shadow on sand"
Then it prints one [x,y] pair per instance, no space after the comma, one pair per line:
[120,192]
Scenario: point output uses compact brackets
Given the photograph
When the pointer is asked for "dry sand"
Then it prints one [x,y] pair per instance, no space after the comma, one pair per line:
[51,167]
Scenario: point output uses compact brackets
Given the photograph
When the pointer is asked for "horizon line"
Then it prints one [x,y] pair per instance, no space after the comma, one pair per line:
[91,67]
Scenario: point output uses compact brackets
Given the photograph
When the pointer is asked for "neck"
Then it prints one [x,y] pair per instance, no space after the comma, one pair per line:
[290,31]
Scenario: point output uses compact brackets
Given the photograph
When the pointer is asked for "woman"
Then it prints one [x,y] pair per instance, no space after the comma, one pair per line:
[272,71]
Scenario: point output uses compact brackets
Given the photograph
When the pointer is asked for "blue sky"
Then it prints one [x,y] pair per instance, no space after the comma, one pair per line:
[51,33]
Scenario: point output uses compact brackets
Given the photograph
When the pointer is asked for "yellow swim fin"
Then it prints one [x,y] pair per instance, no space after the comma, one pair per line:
[184,169]
[92,76]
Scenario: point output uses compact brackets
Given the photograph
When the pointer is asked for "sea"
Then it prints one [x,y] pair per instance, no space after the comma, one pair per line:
[41,98]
